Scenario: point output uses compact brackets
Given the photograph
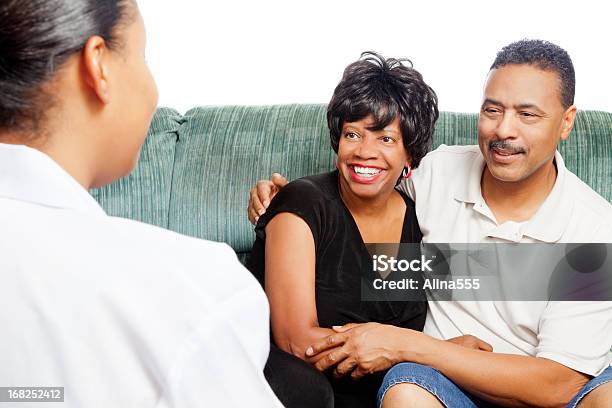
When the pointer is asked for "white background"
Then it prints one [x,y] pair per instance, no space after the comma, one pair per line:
[261,52]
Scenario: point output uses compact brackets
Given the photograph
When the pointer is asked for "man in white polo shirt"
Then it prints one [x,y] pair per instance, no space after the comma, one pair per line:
[513,187]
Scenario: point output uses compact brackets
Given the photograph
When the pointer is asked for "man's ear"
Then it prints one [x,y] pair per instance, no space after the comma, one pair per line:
[96,67]
[567,123]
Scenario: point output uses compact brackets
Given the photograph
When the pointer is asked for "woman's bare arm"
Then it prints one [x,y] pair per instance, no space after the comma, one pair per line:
[290,284]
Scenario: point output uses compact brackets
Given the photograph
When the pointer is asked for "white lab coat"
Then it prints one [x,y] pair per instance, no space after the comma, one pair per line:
[120,313]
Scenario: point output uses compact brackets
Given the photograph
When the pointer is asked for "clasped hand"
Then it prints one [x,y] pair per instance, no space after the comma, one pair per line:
[364,348]
[360,348]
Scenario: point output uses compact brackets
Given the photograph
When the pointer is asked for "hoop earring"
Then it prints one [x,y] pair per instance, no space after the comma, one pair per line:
[407,172]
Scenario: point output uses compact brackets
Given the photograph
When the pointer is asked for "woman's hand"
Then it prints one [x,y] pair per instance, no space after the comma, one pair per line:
[361,349]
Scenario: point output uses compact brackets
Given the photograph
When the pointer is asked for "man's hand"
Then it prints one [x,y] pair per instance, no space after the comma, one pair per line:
[261,195]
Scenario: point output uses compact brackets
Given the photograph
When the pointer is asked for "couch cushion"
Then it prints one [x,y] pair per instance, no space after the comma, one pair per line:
[456,129]
[144,195]
[588,151]
[223,151]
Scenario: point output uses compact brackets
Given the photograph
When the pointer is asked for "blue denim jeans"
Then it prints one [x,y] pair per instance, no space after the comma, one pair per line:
[450,394]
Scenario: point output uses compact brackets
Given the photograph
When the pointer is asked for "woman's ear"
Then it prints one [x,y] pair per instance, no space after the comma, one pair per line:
[95,59]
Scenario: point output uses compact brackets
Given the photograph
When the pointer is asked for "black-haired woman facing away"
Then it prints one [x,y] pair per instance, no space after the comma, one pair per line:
[118,313]
[310,245]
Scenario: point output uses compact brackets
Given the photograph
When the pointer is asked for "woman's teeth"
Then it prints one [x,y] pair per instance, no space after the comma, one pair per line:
[366,171]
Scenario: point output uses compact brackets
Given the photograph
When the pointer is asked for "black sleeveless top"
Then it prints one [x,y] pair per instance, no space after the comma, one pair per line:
[340,254]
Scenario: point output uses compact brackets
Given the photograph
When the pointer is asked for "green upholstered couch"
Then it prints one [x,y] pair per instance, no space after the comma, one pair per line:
[195,170]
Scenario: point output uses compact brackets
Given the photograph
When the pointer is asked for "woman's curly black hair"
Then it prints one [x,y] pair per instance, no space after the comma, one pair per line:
[385,89]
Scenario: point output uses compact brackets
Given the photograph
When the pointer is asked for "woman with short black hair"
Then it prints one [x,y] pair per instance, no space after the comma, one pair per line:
[310,246]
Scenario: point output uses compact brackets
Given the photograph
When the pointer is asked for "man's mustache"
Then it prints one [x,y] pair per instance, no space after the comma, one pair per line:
[505,146]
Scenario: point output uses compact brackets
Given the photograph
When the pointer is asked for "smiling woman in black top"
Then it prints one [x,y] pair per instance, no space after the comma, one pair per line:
[310,245]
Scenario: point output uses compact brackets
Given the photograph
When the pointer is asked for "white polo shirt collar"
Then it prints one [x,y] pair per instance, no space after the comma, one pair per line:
[547,225]
[31,176]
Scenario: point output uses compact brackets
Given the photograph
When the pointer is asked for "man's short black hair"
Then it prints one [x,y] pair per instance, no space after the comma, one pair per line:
[385,89]
[545,56]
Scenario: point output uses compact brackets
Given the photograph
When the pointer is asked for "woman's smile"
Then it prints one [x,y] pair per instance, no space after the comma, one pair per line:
[365,174]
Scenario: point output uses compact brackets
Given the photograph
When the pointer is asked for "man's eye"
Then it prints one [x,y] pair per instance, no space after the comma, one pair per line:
[387,139]
[528,114]
[491,110]
[351,135]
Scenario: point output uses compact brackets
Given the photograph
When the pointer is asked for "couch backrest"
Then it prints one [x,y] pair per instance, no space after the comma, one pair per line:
[195,171]
[144,195]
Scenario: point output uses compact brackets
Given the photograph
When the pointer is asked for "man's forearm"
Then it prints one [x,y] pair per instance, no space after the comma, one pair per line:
[505,379]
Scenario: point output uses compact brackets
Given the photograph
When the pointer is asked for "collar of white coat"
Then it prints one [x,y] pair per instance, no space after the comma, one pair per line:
[549,222]
[31,176]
